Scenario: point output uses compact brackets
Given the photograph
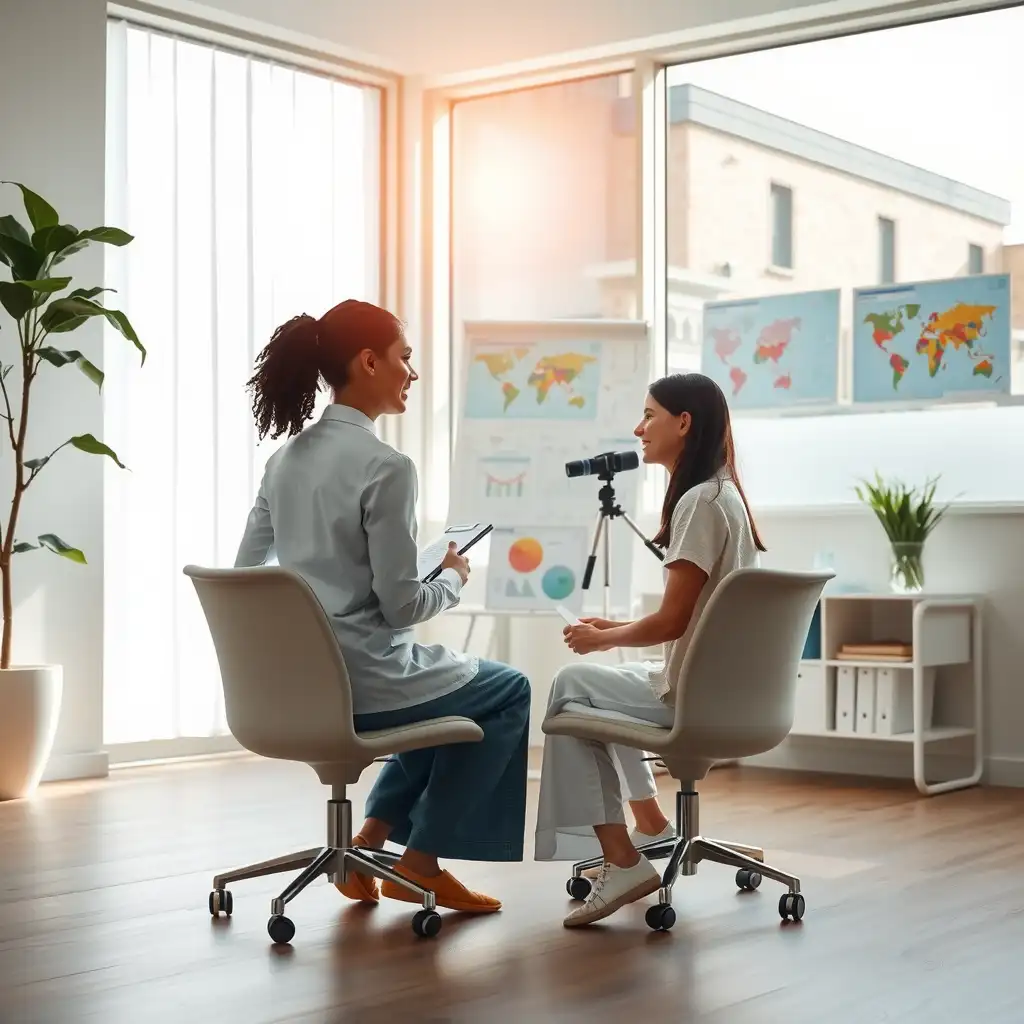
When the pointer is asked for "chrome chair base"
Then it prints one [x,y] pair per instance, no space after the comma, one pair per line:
[686,851]
[335,860]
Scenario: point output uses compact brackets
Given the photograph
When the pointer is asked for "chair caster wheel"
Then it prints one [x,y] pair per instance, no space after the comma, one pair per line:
[660,917]
[578,888]
[281,930]
[221,903]
[748,880]
[791,906]
[426,924]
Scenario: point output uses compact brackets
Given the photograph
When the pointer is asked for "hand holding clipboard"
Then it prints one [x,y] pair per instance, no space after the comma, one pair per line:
[430,558]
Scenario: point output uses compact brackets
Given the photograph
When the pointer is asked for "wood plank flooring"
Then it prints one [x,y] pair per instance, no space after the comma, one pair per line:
[914,914]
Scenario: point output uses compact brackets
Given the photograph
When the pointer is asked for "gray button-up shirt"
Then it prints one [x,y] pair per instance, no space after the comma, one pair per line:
[338,506]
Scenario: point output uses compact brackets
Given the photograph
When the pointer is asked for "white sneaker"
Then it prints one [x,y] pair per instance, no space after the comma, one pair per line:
[638,839]
[614,887]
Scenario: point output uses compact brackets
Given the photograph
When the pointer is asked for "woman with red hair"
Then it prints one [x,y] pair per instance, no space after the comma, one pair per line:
[337,505]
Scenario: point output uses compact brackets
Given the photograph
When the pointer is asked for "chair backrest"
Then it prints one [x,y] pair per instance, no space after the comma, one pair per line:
[286,690]
[737,687]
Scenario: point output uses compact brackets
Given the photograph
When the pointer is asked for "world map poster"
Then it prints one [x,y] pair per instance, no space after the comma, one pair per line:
[774,352]
[547,381]
[932,340]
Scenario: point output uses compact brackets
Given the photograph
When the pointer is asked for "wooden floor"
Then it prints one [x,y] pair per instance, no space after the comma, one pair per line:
[914,914]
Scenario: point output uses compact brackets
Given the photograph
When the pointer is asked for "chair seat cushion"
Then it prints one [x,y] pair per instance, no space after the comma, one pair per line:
[433,732]
[606,727]
[579,708]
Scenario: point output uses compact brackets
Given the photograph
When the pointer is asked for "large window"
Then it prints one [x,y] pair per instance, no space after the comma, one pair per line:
[852,165]
[253,190]
[544,221]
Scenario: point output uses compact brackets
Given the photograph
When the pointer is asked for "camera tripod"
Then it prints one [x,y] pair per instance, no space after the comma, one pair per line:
[610,509]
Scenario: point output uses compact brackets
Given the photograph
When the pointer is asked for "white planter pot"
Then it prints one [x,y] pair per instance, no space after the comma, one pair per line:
[29,709]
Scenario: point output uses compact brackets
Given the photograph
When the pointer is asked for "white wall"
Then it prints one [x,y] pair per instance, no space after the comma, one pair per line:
[52,104]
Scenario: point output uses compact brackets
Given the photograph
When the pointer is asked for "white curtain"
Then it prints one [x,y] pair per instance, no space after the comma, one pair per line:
[253,190]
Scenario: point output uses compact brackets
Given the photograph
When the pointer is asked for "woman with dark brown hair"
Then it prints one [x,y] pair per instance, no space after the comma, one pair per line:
[707,532]
[338,506]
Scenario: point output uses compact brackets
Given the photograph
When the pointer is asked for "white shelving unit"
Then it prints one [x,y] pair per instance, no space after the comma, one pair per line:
[943,679]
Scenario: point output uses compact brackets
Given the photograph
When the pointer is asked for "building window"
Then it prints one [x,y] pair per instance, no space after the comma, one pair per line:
[886,250]
[975,259]
[782,226]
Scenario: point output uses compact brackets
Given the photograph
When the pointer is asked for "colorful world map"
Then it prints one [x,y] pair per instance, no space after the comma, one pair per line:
[773,351]
[960,327]
[931,340]
[562,383]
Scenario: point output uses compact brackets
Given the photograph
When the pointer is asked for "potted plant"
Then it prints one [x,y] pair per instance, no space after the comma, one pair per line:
[908,515]
[37,298]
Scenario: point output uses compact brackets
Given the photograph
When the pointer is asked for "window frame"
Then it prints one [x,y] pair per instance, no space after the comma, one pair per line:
[972,248]
[886,233]
[776,190]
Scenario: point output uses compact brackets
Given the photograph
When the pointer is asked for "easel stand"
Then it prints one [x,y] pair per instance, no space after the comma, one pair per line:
[610,509]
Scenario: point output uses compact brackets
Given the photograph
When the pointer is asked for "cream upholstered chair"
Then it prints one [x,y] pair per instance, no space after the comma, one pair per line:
[734,699]
[287,695]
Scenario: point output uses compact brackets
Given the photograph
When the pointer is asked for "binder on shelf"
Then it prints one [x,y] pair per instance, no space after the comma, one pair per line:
[865,721]
[846,699]
[811,708]
[894,701]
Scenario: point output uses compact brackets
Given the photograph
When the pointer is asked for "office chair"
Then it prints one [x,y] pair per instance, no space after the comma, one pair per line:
[287,695]
[734,698]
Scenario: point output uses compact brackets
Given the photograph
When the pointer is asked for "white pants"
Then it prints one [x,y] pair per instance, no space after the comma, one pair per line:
[579,782]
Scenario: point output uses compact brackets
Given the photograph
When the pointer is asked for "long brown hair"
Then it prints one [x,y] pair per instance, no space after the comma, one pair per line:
[709,448]
[305,353]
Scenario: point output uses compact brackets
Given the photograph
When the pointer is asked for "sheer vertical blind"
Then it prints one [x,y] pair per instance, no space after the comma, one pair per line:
[253,190]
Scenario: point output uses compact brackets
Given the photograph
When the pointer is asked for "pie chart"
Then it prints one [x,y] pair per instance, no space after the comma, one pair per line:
[526,554]
[558,582]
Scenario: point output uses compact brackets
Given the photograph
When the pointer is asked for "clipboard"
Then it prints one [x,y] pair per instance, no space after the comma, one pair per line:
[466,535]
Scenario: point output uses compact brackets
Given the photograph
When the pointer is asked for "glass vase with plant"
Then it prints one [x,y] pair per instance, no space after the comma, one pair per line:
[908,515]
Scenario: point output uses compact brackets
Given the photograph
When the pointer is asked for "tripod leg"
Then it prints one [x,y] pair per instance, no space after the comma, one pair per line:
[599,529]
[607,572]
[653,548]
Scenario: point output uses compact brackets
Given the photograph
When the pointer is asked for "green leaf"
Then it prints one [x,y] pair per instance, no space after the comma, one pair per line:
[54,239]
[39,211]
[59,318]
[58,547]
[63,311]
[48,284]
[107,235]
[88,293]
[122,323]
[40,290]
[24,261]
[11,227]
[89,444]
[23,545]
[16,298]
[59,357]
[69,313]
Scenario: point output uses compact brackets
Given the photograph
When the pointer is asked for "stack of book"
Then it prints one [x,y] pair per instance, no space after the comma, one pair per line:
[882,650]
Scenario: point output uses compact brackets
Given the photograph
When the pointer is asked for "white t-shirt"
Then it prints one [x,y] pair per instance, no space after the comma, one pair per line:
[710,528]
